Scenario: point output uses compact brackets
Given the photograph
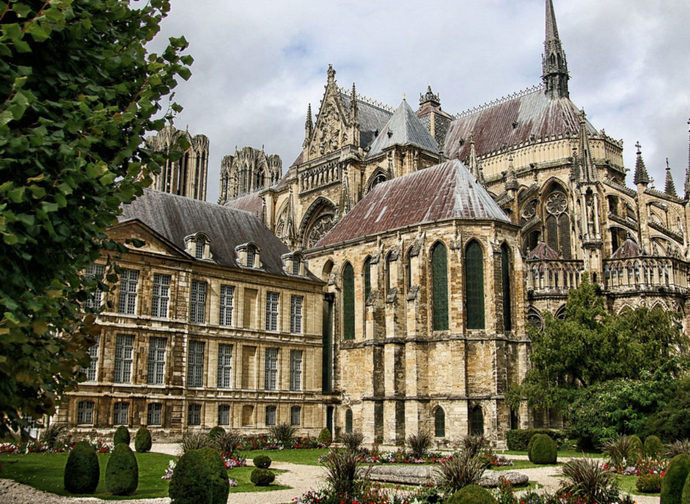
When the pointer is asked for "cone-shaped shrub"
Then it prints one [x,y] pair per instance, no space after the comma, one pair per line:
[542,450]
[653,447]
[199,476]
[472,494]
[82,470]
[142,441]
[121,435]
[262,461]
[122,471]
[262,477]
[672,484]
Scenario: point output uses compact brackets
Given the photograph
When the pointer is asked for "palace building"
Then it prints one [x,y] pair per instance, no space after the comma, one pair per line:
[415,247]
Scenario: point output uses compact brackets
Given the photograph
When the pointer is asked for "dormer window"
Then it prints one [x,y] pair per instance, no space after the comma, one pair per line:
[293,264]
[198,246]
[248,255]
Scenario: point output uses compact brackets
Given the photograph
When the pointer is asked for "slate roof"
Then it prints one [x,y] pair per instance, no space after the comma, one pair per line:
[371,119]
[403,128]
[444,191]
[251,202]
[512,121]
[175,217]
[628,249]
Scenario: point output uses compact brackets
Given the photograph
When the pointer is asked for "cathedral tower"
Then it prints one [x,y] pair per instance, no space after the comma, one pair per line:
[554,65]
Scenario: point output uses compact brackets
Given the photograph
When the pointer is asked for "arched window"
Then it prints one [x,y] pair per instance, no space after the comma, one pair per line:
[389,263]
[439,281]
[348,421]
[348,302]
[439,422]
[476,421]
[408,269]
[558,223]
[367,278]
[474,286]
[505,284]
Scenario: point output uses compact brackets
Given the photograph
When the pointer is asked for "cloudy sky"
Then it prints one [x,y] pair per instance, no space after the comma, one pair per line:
[259,63]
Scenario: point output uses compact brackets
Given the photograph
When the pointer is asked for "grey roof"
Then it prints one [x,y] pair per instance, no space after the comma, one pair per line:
[175,217]
[444,191]
[403,128]
[372,119]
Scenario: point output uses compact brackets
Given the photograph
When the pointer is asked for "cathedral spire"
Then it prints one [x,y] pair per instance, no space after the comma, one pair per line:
[354,110]
[308,127]
[670,187]
[641,176]
[687,170]
[554,65]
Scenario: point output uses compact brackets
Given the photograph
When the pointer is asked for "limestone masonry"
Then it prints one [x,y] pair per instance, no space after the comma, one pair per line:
[386,281]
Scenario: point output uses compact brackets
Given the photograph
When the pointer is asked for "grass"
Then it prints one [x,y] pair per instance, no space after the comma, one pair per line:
[45,471]
[627,484]
[561,453]
[301,456]
[522,464]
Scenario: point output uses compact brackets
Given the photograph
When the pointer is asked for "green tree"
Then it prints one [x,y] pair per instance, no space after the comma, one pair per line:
[78,93]
[590,346]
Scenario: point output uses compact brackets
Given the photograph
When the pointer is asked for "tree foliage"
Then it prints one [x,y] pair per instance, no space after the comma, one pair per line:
[78,93]
[589,346]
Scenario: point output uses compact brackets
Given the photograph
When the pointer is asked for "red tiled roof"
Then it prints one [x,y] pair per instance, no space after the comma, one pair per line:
[628,249]
[543,251]
[512,121]
[443,191]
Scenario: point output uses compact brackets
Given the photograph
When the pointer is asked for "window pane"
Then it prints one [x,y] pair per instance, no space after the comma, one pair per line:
[93,355]
[270,415]
[124,347]
[474,286]
[160,296]
[156,362]
[197,302]
[296,314]
[85,412]
[295,414]
[127,299]
[195,368]
[97,271]
[121,413]
[227,294]
[224,366]
[295,370]
[154,414]
[348,302]
[271,378]
[223,414]
[194,414]
[439,272]
[271,311]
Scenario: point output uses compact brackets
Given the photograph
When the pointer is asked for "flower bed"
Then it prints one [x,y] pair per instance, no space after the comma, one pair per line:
[263,442]
[33,446]
[642,466]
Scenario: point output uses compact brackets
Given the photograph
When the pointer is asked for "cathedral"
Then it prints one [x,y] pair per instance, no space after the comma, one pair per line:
[386,281]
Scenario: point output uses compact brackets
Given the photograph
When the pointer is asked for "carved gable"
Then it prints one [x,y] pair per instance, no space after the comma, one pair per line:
[153,242]
[332,125]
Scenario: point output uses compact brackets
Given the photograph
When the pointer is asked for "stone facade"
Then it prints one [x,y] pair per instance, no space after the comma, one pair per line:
[188,175]
[246,171]
[159,344]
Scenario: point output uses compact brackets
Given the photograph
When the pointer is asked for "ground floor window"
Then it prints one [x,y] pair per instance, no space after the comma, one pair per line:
[270,415]
[85,412]
[121,413]
[295,414]
[440,422]
[223,414]
[154,414]
[194,414]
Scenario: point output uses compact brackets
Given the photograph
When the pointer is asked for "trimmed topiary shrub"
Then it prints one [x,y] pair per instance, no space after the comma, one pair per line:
[518,439]
[142,440]
[82,470]
[325,436]
[472,494]
[636,449]
[653,447]
[673,483]
[199,476]
[122,471]
[262,477]
[649,483]
[542,450]
[121,435]
[262,461]
[215,432]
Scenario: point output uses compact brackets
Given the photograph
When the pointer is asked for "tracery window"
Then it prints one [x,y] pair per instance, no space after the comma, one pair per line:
[367,278]
[474,286]
[558,223]
[505,284]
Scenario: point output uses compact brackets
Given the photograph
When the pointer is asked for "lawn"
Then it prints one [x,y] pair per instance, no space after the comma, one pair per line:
[44,471]
[561,453]
[521,464]
[301,456]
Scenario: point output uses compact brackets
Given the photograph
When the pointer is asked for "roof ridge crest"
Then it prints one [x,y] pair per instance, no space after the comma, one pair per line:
[497,101]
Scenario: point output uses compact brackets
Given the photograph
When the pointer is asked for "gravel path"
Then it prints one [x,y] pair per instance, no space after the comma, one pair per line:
[299,478]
